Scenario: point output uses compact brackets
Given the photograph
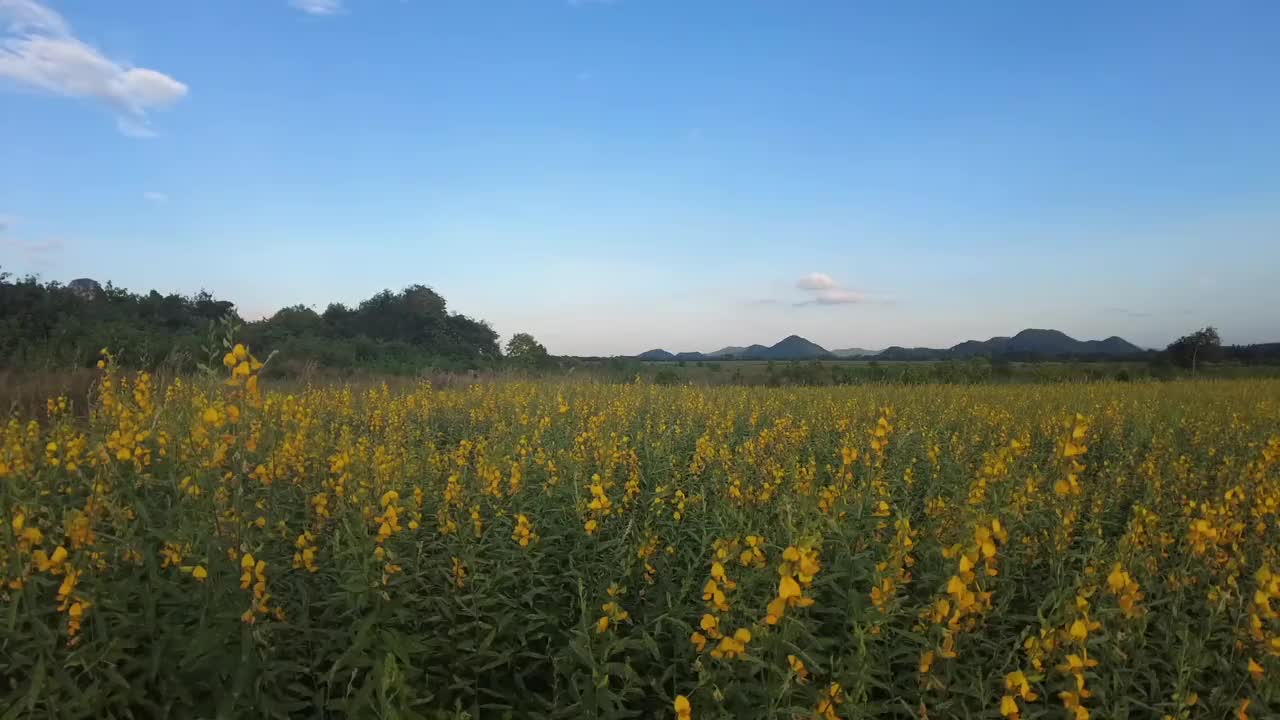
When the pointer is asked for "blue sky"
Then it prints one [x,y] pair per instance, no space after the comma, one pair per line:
[615,176]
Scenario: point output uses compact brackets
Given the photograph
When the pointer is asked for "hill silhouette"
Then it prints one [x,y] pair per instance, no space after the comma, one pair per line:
[1029,343]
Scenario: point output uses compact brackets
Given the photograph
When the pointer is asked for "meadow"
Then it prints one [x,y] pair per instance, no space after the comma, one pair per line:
[209,547]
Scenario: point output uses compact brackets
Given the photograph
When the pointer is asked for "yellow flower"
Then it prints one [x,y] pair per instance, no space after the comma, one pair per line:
[58,557]
[1118,580]
[710,624]
[246,565]
[1009,706]
[1255,669]
[75,616]
[777,609]
[699,641]
[731,647]
[798,667]
[712,593]
[718,573]
[68,585]
[1077,664]
[788,588]
[828,704]
[683,710]
[199,573]
[1017,681]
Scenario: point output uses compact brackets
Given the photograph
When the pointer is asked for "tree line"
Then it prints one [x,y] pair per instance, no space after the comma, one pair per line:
[49,325]
[1205,346]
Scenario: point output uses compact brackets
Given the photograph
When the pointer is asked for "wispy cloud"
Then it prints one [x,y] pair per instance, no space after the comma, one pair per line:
[134,129]
[34,249]
[155,197]
[30,16]
[38,50]
[834,296]
[318,7]
[1127,312]
[36,253]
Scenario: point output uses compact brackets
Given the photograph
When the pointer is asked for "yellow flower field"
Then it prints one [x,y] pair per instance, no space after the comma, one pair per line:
[213,548]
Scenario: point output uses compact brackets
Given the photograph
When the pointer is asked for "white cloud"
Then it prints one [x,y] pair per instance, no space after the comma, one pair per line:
[155,197]
[824,290]
[38,50]
[318,7]
[816,281]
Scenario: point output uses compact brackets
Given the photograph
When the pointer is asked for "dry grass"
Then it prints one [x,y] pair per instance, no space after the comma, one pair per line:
[24,392]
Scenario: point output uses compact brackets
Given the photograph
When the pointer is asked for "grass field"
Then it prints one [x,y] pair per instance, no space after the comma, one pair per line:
[862,371]
[533,549]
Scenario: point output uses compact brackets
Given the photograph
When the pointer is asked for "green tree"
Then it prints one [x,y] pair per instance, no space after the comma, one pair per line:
[1188,350]
[49,325]
[525,351]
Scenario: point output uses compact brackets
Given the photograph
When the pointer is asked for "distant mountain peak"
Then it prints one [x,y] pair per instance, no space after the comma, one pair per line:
[1042,333]
[1040,341]
[794,347]
[87,288]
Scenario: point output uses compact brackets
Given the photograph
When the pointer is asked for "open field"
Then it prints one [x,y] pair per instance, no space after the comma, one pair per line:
[915,372]
[539,549]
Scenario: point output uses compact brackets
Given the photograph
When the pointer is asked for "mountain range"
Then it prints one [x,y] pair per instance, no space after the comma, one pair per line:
[1028,343]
